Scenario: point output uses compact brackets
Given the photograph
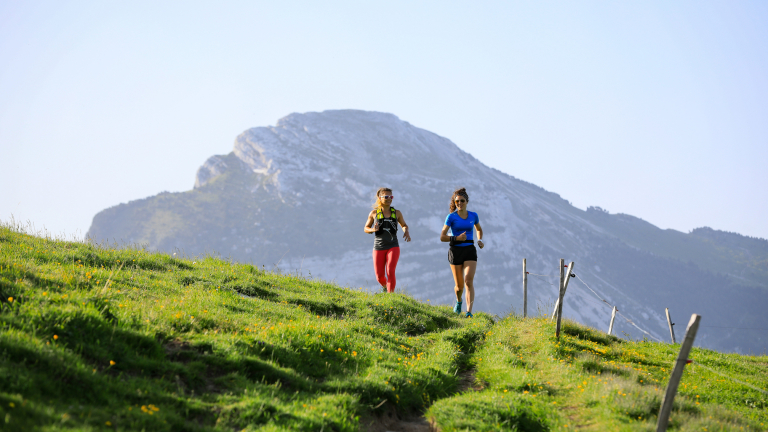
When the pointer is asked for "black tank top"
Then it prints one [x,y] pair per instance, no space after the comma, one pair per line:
[386,236]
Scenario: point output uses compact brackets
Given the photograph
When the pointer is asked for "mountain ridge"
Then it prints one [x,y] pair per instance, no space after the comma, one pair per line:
[297,194]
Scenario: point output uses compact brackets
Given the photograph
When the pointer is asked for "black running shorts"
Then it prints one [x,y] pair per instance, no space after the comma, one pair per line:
[458,254]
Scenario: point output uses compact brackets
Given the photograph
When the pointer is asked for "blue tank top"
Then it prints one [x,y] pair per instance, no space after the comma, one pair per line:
[459,225]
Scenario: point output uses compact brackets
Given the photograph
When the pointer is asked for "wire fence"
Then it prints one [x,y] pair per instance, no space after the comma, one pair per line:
[540,276]
[534,274]
[604,302]
[629,321]
[698,364]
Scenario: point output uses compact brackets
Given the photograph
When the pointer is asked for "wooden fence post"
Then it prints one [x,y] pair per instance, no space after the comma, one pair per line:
[613,317]
[560,291]
[677,373]
[562,294]
[671,330]
[525,289]
[563,280]
[554,311]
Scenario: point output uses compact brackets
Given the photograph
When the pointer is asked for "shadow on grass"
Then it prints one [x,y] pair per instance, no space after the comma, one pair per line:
[593,366]
[582,332]
[259,289]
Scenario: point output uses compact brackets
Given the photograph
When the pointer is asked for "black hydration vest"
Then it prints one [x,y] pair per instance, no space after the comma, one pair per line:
[386,235]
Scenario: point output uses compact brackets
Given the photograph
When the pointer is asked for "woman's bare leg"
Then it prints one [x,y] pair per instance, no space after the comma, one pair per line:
[458,278]
[469,280]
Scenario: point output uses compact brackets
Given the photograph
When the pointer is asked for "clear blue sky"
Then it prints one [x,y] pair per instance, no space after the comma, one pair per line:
[655,109]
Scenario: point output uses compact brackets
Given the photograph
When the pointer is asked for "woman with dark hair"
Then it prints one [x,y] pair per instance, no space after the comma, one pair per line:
[382,221]
[462,255]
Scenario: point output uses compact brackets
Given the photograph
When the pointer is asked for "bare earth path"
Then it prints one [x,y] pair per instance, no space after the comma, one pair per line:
[390,422]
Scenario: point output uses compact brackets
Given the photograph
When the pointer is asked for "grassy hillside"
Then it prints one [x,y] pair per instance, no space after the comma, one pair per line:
[233,213]
[101,338]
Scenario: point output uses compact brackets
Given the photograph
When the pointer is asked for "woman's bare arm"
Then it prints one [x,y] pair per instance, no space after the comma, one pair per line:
[479,229]
[406,231]
[444,237]
[370,227]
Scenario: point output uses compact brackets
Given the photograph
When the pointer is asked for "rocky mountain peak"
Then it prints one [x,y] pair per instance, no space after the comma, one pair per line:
[296,196]
[363,146]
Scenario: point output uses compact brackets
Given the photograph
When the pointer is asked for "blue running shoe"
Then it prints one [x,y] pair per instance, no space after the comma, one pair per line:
[469,315]
[457,307]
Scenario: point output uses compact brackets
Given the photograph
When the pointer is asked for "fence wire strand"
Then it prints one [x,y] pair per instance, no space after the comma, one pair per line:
[593,292]
[629,321]
[538,277]
[593,301]
[604,302]
[635,325]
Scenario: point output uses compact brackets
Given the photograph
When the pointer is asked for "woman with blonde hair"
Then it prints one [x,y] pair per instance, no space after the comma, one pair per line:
[382,222]
[462,255]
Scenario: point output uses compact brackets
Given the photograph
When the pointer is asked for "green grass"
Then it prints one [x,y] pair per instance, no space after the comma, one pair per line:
[105,338]
[588,380]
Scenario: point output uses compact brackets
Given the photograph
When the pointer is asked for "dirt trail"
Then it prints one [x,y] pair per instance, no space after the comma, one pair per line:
[389,421]
[468,382]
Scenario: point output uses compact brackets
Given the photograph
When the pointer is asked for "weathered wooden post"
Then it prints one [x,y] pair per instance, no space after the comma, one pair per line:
[560,291]
[563,280]
[564,287]
[525,289]
[677,373]
[613,317]
[671,330]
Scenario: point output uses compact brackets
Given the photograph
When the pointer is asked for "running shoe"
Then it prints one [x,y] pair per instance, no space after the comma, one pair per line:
[457,307]
[469,315]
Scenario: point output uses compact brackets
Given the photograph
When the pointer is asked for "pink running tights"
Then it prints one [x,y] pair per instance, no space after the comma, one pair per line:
[384,263]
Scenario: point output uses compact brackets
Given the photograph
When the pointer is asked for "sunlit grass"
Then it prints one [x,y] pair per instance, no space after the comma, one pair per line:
[104,337]
[589,380]
[96,334]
